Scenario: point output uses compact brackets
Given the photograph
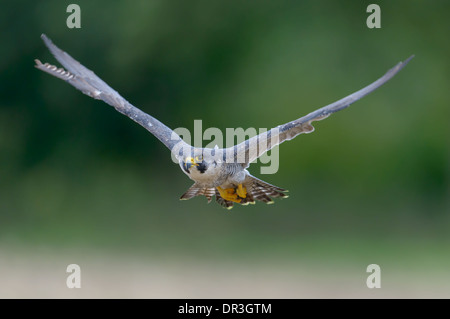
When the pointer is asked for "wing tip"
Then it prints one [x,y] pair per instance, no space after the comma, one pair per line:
[45,39]
[402,64]
[408,59]
[411,57]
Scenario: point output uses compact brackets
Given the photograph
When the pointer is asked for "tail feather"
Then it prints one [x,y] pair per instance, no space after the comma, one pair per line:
[256,190]
[265,185]
[248,200]
[196,190]
[225,203]
[262,191]
[260,194]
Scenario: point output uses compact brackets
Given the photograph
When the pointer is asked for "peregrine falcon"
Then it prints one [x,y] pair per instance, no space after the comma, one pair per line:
[216,172]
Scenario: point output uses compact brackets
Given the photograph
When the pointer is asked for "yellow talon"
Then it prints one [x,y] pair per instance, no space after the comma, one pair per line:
[229,194]
[233,194]
[241,191]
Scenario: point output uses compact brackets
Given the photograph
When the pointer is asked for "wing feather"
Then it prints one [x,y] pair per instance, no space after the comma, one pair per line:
[249,150]
[90,84]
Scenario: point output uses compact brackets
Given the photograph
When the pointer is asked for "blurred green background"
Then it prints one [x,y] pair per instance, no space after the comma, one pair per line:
[370,185]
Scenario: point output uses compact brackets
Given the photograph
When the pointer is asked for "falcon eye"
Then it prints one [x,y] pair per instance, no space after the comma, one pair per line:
[199,159]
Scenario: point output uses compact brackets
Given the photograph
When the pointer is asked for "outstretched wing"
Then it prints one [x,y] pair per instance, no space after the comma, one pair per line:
[249,150]
[90,84]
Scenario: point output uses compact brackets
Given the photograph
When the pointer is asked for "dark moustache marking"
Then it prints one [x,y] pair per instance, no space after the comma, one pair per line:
[185,167]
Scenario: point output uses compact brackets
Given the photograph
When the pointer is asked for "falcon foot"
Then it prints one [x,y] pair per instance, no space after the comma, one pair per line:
[241,191]
[233,194]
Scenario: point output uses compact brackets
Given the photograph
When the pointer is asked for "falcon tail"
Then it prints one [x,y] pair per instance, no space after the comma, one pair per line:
[257,190]
[196,190]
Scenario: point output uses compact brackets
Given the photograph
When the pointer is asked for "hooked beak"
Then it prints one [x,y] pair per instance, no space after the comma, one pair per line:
[189,162]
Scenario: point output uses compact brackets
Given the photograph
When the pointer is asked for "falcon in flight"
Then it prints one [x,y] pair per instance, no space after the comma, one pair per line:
[216,172]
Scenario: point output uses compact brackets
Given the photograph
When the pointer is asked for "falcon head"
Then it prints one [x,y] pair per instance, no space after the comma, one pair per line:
[201,165]
[194,163]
